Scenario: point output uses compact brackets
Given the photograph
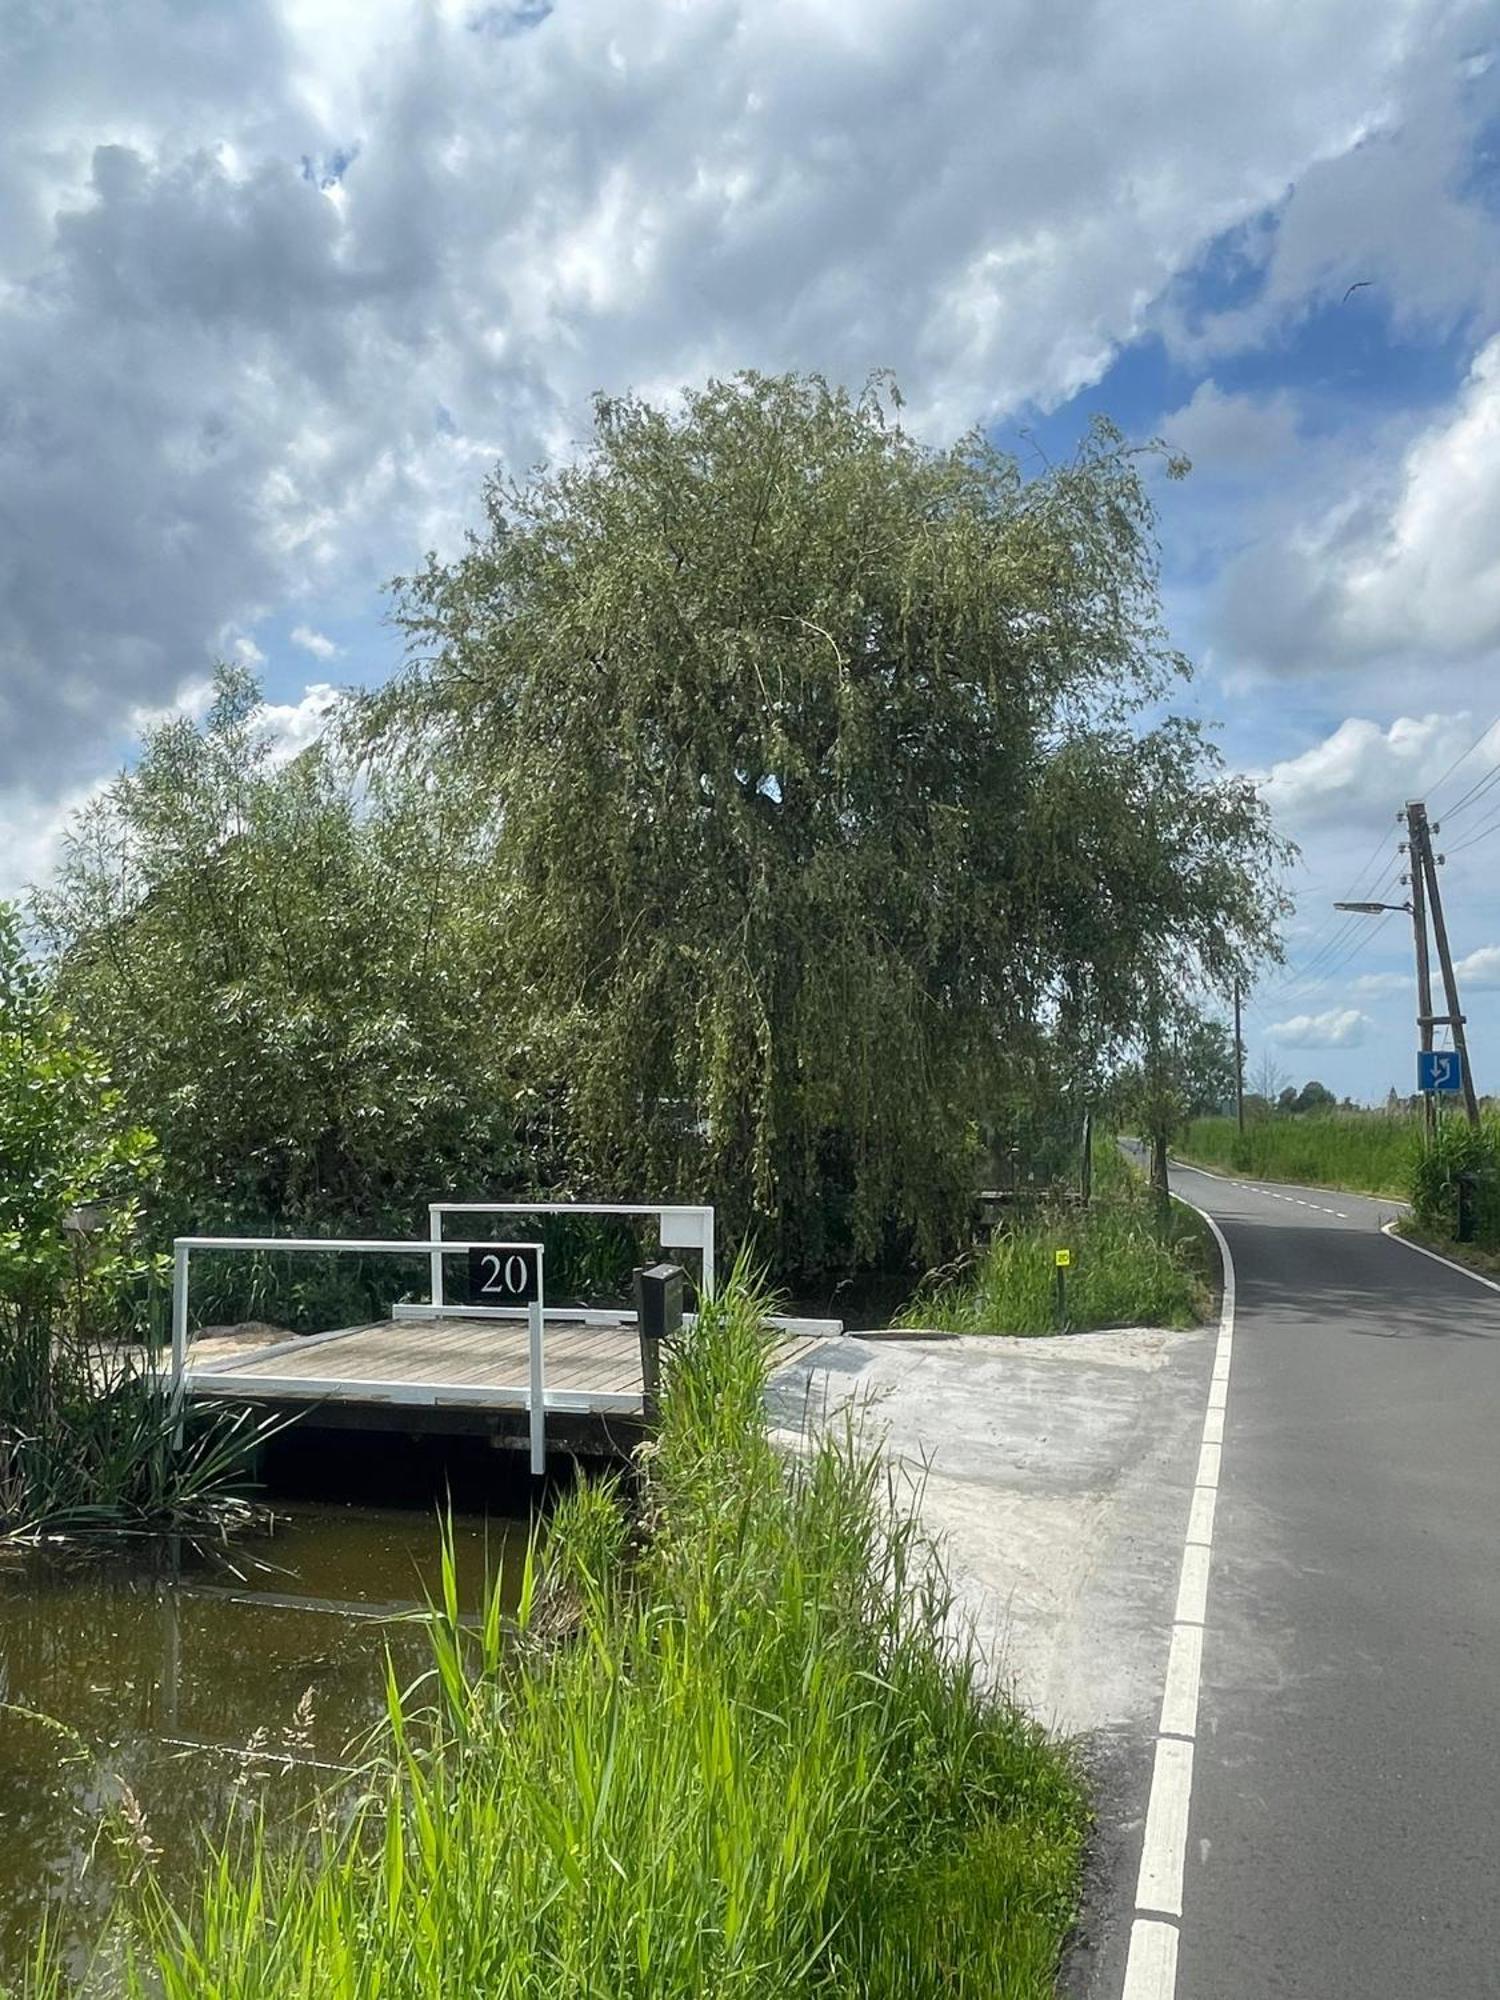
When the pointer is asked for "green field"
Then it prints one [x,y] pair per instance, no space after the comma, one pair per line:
[1368,1152]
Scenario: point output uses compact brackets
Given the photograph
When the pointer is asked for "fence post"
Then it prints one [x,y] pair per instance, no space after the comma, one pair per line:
[537,1398]
[435,1231]
[708,1254]
[180,1255]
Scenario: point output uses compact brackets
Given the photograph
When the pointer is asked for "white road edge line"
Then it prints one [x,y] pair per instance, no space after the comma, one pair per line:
[1151,1965]
[1389,1229]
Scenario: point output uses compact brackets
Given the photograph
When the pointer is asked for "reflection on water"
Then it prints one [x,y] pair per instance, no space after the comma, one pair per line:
[167,1694]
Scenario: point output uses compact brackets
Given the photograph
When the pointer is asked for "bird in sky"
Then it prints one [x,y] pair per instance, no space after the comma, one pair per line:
[1359,285]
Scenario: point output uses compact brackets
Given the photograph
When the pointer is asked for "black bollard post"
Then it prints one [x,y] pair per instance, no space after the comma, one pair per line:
[658,1312]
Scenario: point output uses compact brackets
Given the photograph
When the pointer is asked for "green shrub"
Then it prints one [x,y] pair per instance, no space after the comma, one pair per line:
[88,1437]
[1457,1149]
[1124,1270]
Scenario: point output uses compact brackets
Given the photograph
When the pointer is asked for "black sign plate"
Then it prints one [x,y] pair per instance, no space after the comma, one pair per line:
[505,1277]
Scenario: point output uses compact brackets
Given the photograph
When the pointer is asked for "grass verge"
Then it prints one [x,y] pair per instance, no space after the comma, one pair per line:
[1473,1256]
[1365,1152]
[755,1764]
[1124,1270]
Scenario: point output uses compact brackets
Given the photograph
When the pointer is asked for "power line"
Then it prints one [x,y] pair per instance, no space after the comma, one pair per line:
[1475,793]
[1318,967]
[1490,826]
[1358,946]
[1464,755]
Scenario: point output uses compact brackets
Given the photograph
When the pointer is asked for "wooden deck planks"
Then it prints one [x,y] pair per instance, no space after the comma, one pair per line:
[581,1360]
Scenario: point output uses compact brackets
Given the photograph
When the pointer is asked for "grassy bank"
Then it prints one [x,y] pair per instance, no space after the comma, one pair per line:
[730,1753]
[1123,1270]
[1367,1152]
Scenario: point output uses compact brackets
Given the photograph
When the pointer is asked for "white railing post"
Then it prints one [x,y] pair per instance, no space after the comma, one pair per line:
[708,1253]
[435,1231]
[537,1396]
[180,1254]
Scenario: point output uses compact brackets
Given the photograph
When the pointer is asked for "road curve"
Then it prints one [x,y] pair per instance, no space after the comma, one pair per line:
[1343,1836]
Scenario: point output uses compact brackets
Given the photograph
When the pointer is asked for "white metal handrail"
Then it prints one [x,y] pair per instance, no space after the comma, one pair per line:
[536,1395]
[684,1226]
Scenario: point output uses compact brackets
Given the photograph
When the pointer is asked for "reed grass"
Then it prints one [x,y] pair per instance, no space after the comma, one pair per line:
[1365,1152]
[1125,1268]
[89,1443]
[755,1760]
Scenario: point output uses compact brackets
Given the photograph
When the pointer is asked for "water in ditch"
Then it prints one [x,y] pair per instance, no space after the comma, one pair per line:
[151,1699]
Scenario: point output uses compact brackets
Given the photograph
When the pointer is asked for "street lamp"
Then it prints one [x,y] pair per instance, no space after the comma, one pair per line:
[1373,909]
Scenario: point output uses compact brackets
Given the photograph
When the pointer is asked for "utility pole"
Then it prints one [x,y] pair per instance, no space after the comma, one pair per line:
[1416,815]
[1239,1064]
[1421,835]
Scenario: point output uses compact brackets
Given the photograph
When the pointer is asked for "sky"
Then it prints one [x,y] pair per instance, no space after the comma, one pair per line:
[281,281]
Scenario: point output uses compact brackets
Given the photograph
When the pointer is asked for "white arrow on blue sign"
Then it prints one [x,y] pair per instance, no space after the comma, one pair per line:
[1440,1070]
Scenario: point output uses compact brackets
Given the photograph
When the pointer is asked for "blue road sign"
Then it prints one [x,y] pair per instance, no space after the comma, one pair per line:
[1440,1070]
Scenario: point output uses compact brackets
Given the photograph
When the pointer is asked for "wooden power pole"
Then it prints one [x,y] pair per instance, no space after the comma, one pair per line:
[1424,874]
[1416,814]
[1239,1064]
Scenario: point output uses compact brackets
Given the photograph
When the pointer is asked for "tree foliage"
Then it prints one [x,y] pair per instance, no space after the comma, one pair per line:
[276,960]
[825,787]
[71,1161]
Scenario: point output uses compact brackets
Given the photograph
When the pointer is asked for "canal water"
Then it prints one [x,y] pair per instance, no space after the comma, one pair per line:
[150,1700]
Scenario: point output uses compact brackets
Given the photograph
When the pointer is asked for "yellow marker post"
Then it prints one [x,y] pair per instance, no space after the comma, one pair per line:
[1061,1260]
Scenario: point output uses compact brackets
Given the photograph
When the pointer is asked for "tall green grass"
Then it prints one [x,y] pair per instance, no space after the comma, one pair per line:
[1458,1152]
[732,1747]
[1368,1152]
[90,1442]
[1125,1270]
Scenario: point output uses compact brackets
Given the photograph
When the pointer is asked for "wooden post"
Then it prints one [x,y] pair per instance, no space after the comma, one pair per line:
[1445,960]
[1416,817]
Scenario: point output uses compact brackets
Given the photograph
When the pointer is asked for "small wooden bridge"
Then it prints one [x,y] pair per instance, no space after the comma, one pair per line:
[533,1374]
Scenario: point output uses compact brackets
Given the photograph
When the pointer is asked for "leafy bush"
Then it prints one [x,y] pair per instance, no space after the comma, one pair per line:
[1458,1149]
[757,1763]
[287,980]
[88,1437]
[72,1166]
[1124,1272]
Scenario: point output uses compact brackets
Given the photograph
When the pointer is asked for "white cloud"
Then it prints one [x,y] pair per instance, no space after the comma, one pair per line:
[31,836]
[1378,985]
[1364,773]
[317,643]
[1431,579]
[1390,556]
[1231,435]
[279,281]
[1338,1028]
[292,726]
[1480,971]
[32,830]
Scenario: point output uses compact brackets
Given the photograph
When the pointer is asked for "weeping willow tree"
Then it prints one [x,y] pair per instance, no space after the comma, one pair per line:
[824,794]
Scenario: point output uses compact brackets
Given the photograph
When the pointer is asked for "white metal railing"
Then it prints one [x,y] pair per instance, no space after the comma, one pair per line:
[682,1226]
[184,1247]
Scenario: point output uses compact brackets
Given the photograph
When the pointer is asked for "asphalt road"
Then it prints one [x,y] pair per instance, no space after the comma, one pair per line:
[1344,1827]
